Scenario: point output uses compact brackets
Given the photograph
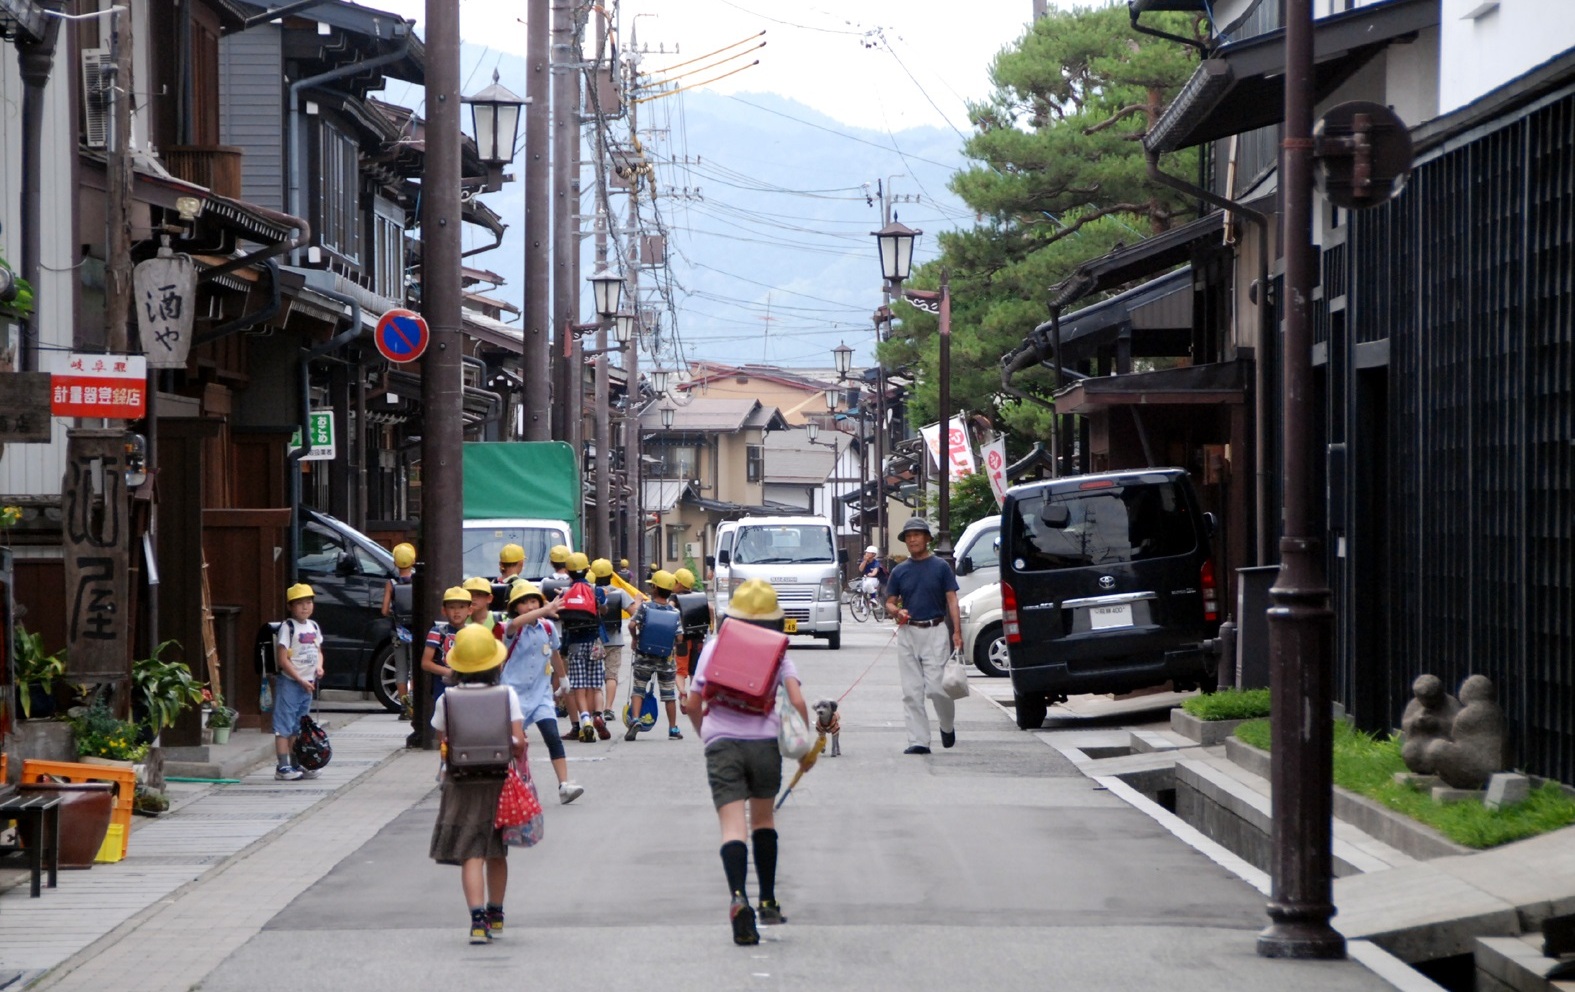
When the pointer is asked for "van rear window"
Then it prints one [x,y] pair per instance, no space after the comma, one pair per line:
[784,545]
[1106,526]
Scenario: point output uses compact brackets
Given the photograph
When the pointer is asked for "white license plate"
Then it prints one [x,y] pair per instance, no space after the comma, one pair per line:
[1102,617]
[790,626]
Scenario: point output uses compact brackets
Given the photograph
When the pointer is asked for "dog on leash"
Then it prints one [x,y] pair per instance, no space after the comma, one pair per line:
[827,722]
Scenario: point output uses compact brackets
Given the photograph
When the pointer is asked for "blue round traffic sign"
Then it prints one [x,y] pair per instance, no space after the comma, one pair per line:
[401,335]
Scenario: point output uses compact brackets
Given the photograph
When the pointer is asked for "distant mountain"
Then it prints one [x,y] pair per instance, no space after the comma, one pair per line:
[769,207]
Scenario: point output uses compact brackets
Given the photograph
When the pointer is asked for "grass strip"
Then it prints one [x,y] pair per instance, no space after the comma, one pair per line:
[1367,765]
[1229,704]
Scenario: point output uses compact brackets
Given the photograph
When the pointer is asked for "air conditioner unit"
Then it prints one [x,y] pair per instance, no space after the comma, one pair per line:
[98,81]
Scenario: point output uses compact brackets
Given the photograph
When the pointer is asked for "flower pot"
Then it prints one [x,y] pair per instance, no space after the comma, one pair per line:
[93,759]
[85,810]
[221,735]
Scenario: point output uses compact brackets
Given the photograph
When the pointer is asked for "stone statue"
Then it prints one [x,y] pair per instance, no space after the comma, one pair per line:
[1475,748]
[1428,718]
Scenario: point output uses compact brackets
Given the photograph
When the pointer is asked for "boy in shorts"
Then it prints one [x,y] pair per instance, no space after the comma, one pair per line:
[298,656]
[744,766]
[646,665]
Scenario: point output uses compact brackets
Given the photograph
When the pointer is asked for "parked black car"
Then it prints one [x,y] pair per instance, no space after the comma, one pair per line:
[1107,585]
[348,571]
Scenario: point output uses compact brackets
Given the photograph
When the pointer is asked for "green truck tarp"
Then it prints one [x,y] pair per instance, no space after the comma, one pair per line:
[522,479]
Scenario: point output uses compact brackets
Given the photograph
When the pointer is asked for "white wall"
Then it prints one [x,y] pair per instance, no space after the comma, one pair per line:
[1485,44]
[35,469]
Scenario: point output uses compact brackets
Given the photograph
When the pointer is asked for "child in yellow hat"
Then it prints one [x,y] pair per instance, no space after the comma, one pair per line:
[298,657]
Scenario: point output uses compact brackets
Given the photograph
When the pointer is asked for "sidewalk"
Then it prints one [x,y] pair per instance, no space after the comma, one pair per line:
[1418,909]
[205,826]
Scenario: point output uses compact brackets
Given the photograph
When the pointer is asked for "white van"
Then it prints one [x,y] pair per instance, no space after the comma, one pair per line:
[799,557]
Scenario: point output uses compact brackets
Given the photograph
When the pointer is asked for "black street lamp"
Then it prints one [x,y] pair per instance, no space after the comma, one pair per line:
[495,115]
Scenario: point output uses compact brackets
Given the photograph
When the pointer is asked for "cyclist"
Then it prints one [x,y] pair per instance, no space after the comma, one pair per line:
[872,576]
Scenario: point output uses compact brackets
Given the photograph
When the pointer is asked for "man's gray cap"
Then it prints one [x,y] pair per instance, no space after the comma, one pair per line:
[916,523]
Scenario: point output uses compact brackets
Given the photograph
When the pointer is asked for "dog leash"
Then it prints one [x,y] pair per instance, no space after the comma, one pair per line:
[878,655]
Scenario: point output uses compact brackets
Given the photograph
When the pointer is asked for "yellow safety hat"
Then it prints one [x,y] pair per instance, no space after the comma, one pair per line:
[663,579]
[475,650]
[559,554]
[601,568]
[478,584]
[755,599]
[404,556]
[685,578]
[299,591]
[456,594]
[578,562]
[521,589]
[623,563]
[510,554]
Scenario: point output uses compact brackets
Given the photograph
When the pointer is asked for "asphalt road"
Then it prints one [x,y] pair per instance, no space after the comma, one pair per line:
[994,864]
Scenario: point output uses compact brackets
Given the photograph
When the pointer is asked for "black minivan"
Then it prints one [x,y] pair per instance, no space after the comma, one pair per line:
[1107,585]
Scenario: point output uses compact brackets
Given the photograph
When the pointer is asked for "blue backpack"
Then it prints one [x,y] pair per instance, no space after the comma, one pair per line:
[658,630]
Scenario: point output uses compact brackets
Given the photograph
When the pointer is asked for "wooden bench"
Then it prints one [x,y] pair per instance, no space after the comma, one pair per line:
[38,823]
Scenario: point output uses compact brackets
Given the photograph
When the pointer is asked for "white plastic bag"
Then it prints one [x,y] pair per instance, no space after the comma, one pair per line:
[954,677]
[793,737]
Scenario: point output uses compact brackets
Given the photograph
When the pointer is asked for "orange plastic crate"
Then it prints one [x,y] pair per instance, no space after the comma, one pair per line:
[124,780]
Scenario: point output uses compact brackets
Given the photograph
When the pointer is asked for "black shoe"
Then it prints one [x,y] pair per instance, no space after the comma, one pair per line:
[770,913]
[632,732]
[917,749]
[948,738]
[743,917]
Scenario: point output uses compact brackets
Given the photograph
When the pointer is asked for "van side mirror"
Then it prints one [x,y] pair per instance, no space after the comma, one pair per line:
[1210,522]
[722,557]
[1056,515]
[345,565]
[964,565]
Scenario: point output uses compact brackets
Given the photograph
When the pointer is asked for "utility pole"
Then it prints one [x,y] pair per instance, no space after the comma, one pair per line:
[537,359]
[117,246]
[442,485]
[604,510]
[635,445]
[565,296]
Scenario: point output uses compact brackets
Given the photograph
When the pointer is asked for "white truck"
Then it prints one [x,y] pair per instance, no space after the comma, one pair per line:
[799,557]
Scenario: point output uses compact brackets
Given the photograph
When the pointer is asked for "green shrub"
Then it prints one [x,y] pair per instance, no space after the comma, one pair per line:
[1229,704]
[1367,765]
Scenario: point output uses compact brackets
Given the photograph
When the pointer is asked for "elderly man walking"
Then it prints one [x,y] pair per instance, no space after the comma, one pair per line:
[922,595]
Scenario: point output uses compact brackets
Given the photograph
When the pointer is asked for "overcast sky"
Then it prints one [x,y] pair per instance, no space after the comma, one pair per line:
[878,64]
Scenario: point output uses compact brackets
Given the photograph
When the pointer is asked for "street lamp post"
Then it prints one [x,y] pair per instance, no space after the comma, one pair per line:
[896,260]
[942,303]
[606,293]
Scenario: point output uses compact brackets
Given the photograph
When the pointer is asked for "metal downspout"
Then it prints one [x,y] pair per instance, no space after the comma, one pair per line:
[303,378]
[1265,331]
[295,114]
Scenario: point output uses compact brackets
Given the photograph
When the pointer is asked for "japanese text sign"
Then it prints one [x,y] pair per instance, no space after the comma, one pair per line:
[86,385]
[994,457]
[94,529]
[321,426]
[960,448]
[166,290]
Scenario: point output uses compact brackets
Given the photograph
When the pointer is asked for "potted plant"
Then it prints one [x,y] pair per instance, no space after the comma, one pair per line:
[161,689]
[103,738]
[221,719]
[36,674]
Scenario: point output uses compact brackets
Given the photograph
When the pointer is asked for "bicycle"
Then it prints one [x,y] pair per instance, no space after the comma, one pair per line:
[858,604]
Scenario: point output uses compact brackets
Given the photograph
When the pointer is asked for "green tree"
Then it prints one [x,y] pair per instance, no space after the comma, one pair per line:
[970,498]
[1060,178]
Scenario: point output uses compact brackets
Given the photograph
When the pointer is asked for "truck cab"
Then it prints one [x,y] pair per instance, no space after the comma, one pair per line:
[799,557]
[483,539]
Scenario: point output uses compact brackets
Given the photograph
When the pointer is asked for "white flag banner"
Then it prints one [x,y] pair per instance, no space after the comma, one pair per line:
[961,449]
[993,455]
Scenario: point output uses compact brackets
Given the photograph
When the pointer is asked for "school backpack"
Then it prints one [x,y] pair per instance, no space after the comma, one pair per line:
[580,608]
[312,750]
[611,612]
[478,729]
[658,630]
[742,670]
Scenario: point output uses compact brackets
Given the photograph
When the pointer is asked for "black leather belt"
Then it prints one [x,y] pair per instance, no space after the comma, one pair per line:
[927,623]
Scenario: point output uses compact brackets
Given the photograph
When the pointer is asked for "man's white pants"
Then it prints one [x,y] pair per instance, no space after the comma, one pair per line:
[921,656]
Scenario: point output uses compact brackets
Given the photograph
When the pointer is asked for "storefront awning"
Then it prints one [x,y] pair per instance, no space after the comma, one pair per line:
[1241,86]
[1217,383]
[1156,317]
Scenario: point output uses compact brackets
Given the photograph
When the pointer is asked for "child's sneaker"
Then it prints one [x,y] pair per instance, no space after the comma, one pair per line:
[770,913]
[743,918]
[632,732]
[609,716]
[674,734]
[286,773]
[480,931]
[601,727]
[587,733]
[308,772]
[494,922]
[568,792]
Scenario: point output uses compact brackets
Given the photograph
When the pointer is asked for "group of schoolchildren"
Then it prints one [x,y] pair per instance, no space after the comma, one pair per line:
[564,655]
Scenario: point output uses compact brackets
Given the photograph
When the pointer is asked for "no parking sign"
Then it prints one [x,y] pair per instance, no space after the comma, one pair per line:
[401,335]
